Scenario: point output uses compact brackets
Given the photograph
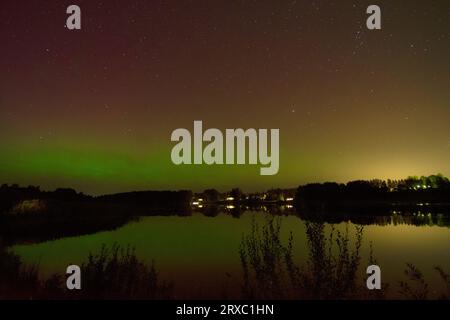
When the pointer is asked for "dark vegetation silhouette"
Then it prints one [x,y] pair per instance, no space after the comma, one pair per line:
[147,202]
[375,196]
[332,270]
[116,272]
[17,281]
[211,195]
[112,273]
[29,214]
[416,287]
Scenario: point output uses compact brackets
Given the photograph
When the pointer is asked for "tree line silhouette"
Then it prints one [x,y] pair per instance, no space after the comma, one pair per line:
[30,214]
[375,195]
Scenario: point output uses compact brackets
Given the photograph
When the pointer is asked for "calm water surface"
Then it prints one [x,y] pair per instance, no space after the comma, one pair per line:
[200,254]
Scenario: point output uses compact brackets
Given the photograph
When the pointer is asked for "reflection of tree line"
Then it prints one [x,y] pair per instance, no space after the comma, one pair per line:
[389,217]
[333,270]
[54,225]
[416,218]
[29,214]
[237,211]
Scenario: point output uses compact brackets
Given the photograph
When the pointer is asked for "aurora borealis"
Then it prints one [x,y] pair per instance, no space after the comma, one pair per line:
[94,109]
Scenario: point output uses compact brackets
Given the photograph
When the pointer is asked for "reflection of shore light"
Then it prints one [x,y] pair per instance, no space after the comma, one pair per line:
[195,203]
[290,199]
[200,206]
[200,200]
[230,206]
[230,198]
[289,206]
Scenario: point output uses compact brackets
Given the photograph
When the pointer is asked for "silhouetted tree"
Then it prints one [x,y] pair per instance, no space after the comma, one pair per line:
[211,195]
[236,193]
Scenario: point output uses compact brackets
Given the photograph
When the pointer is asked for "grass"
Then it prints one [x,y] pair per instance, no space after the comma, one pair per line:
[117,273]
[416,288]
[14,274]
[332,270]
[113,273]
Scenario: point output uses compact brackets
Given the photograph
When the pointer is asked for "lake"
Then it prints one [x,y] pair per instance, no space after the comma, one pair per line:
[200,256]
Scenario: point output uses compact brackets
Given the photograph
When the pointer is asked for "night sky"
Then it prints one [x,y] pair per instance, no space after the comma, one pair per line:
[94,109]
